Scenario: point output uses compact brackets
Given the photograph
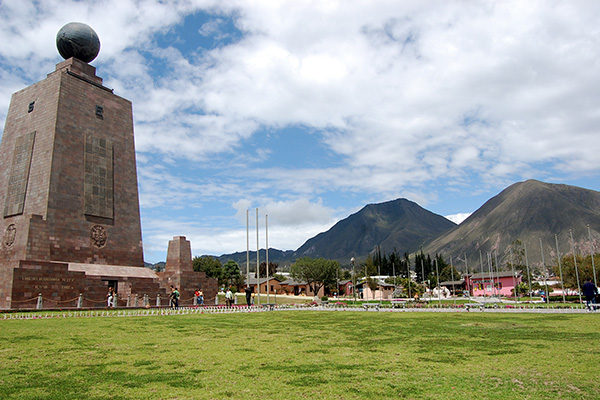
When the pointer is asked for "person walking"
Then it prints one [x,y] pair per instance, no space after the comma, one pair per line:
[590,291]
[174,297]
[110,297]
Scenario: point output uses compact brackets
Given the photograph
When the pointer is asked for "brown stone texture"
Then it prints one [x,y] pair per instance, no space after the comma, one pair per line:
[60,284]
[70,225]
[52,223]
[180,273]
[64,115]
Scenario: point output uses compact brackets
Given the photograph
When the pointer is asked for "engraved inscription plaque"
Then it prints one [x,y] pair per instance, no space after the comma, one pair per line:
[19,175]
[98,184]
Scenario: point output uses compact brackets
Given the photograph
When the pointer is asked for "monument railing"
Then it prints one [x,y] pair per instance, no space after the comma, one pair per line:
[40,302]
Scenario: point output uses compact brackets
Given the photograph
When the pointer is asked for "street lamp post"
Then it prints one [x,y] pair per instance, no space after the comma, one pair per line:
[365,284]
[408,278]
[353,280]
[337,280]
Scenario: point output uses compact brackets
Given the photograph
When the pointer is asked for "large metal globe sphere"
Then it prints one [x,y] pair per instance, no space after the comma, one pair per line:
[78,40]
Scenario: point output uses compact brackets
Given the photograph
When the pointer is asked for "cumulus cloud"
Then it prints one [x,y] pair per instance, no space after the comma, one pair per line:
[407,99]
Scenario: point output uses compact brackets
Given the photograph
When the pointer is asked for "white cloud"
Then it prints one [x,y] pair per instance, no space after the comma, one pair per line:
[403,96]
[298,212]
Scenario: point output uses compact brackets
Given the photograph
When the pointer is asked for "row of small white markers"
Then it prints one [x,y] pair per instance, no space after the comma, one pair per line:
[229,310]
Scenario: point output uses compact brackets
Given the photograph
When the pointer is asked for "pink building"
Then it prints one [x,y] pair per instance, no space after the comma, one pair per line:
[345,288]
[495,284]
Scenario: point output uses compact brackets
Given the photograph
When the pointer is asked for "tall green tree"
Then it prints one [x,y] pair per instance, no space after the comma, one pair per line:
[263,269]
[211,265]
[231,273]
[584,269]
[449,272]
[423,266]
[368,267]
[316,272]
[517,250]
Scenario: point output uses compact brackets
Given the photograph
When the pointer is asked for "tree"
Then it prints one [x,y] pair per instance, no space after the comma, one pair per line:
[231,273]
[372,284]
[522,289]
[315,272]
[345,274]
[415,288]
[279,276]
[584,269]
[263,269]
[449,272]
[517,249]
[210,265]
[423,266]
[368,267]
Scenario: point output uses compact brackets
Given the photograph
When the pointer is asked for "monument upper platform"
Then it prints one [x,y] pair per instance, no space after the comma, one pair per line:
[80,69]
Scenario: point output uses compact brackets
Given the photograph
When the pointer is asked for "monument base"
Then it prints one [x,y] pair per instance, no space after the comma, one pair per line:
[70,285]
[79,285]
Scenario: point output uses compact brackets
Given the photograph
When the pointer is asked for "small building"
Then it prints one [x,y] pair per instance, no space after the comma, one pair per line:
[494,284]
[454,286]
[345,288]
[298,288]
[383,291]
[273,285]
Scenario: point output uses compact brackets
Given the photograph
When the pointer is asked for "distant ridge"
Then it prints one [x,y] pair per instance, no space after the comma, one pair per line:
[526,211]
[398,224]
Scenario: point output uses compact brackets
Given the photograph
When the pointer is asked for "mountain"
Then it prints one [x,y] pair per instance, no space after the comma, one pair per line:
[276,256]
[526,211]
[398,224]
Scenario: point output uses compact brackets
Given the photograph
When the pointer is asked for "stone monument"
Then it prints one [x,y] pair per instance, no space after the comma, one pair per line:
[68,187]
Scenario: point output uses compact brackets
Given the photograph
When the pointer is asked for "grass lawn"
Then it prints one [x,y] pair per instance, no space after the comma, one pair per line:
[303,354]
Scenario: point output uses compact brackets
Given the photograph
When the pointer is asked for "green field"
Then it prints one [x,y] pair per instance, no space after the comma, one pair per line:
[303,354]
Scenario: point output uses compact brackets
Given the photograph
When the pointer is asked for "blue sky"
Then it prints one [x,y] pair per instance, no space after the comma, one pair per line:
[309,110]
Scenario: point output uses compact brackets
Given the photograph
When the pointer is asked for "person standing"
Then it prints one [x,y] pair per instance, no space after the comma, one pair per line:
[590,291]
[229,297]
[197,297]
[248,292]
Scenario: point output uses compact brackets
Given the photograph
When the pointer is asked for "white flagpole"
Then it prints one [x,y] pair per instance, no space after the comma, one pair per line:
[452,272]
[437,271]
[528,272]
[592,254]
[257,259]
[545,272]
[512,267]
[247,253]
[482,275]
[562,283]
[469,279]
[489,260]
[497,271]
[575,263]
[267,257]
